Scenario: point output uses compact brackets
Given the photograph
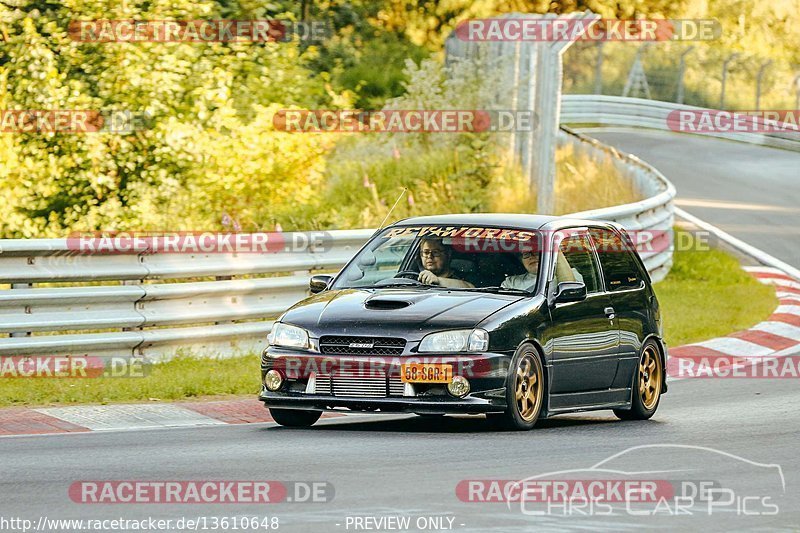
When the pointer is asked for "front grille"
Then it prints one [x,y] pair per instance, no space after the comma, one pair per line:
[340,345]
[352,385]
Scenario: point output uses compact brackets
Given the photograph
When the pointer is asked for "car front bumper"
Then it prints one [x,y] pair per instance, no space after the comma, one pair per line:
[486,402]
[486,373]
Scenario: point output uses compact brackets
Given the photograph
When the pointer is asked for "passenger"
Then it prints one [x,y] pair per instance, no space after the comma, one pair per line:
[527,281]
[435,259]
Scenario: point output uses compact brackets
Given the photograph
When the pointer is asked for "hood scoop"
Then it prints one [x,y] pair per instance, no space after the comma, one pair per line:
[386,304]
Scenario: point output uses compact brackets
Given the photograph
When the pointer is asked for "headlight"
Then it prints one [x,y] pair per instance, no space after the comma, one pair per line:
[288,336]
[459,340]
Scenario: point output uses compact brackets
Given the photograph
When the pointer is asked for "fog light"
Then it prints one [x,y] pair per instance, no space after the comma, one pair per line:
[273,380]
[459,387]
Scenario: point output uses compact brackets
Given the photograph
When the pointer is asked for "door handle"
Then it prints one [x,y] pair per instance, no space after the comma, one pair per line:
[610,313]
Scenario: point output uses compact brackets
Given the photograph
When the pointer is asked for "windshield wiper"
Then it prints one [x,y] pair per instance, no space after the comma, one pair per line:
[398,282]
[395,285]
[498,289]
[405,286]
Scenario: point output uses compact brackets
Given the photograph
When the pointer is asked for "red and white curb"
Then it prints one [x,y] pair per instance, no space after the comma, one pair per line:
[780,335]
[126,417]
[83,418]
[776,337]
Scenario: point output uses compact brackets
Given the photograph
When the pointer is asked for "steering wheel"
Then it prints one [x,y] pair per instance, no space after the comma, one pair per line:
[401,278]
[408,274]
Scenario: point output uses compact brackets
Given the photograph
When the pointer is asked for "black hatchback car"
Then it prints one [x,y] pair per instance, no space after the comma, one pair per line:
[518,317]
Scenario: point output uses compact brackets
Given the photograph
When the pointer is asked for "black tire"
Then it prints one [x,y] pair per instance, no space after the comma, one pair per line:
[522,412]
[294,418]
[648,381]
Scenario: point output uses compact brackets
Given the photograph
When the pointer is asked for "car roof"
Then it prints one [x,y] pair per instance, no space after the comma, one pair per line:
[510,220]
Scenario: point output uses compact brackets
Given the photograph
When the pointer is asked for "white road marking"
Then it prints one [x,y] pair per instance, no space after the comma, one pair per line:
[788,296]
[779,328]
[135,416]
[720,204]
[783,283]
[763,270]
[788,309]
[759,229]
[736,347]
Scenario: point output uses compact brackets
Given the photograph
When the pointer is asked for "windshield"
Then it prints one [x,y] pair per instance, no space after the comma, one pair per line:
[453,257]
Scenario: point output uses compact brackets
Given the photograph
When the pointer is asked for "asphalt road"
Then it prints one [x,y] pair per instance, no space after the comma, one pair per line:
[749,191]
[409,466]
[740,435]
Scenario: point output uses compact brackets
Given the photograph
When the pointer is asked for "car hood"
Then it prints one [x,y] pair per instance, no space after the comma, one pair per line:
[408,313]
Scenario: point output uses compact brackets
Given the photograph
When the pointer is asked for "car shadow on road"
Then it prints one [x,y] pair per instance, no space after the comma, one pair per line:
[448,424]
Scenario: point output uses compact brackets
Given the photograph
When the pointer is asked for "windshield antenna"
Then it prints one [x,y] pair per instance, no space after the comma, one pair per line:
[392,209]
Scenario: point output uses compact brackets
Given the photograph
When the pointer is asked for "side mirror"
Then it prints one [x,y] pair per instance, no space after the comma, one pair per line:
[570,291]
[319,283]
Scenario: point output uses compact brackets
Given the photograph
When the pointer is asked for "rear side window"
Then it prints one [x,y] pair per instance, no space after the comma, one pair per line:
[620,267]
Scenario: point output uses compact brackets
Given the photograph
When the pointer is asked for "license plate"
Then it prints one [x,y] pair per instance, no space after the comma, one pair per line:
[426,373]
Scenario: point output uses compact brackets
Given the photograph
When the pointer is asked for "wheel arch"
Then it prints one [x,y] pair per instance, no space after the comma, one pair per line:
[662,352]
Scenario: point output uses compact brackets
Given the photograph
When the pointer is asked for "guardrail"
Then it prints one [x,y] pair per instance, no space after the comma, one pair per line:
[149,312]
[643,113]
[223,317]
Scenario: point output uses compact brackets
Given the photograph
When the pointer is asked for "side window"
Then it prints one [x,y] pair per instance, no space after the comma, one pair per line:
[576,262]
[620,267]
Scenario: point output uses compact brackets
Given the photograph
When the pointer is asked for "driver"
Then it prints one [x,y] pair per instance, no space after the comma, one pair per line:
[435,259]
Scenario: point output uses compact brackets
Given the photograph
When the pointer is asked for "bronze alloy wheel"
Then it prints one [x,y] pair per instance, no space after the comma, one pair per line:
[647,382]
[528,387]
[650,377]
[525,392]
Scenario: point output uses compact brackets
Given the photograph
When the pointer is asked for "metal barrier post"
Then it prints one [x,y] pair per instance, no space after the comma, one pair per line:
[27,309]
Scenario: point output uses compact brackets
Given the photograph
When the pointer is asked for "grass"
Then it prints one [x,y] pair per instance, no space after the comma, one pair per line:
[363,180]
[183,378]
[706,295]
[579,171]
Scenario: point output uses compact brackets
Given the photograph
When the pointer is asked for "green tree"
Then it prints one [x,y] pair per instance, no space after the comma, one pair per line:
[207,102]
